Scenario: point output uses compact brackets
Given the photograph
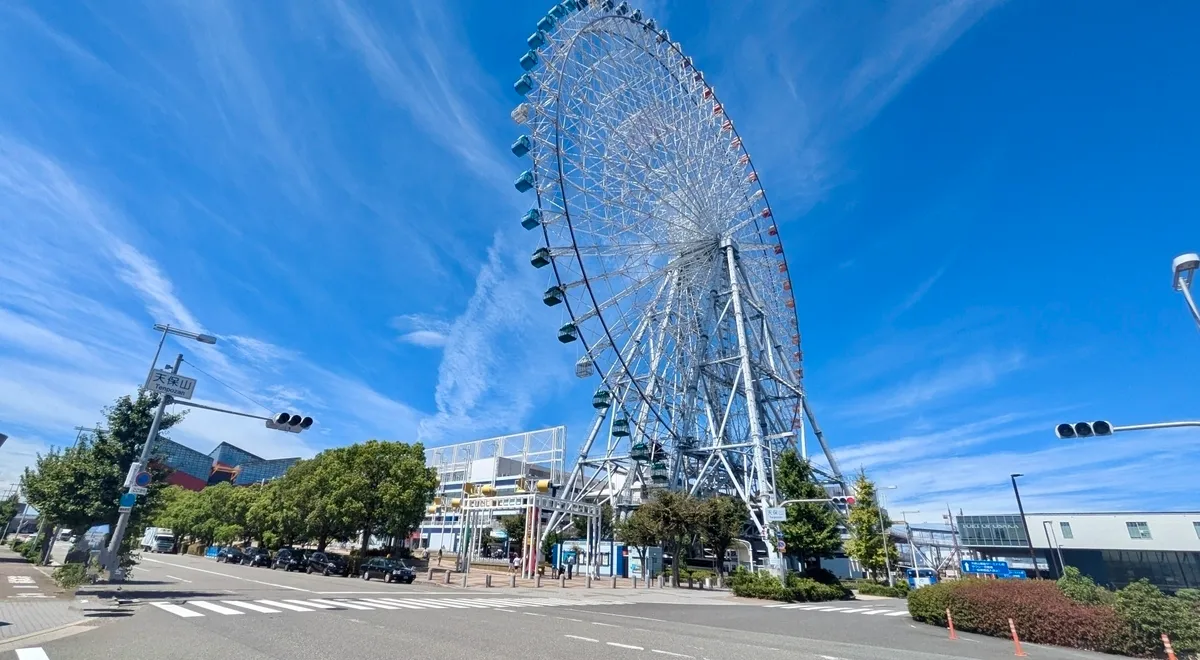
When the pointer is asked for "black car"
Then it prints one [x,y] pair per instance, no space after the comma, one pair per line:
[327,564]
[257,557]
[289,560]
[230,555]
[391,570]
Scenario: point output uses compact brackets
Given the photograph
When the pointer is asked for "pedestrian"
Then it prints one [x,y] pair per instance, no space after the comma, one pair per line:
[439,556]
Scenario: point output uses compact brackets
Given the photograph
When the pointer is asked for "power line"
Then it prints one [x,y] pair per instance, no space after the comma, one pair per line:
[231,388]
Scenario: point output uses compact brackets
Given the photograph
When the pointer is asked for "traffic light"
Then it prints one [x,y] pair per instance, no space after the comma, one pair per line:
[1083,429]
[842,502]
[289,422]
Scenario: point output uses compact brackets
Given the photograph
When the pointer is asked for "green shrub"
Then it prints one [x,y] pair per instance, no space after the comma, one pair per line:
[1151,613]
[1190,595]
[876,589]
[70,576]
[757,584]
[929,604]
[1082,589]
[697,574]
[805,589]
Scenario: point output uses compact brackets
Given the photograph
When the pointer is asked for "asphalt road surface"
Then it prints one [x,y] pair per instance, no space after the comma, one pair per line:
[196,608]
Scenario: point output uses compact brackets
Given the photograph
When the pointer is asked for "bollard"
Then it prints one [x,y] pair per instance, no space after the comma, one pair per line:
[1016,640]
[691,582]
[464,580]
[662,581]
[562,580]
[1167,647]
[635,582]
[487,580]
[589,581]
[447,577]
[537,580]
[431,575]
[512,580]
[614,582]
[707,584]
[950,622]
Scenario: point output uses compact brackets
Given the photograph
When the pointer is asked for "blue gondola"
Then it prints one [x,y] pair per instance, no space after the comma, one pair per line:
[546,23]
[531,219]
[623,8]
[521,146]
[525,181]
[529,60]
[524,85]
[637,15]
[558,11]
[536,40]
[540,257]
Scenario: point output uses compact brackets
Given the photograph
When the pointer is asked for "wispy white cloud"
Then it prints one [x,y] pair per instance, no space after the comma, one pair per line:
[422,330]
[915,297]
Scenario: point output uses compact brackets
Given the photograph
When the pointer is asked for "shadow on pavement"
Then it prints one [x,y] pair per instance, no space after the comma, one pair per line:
[107,614]
[151,594]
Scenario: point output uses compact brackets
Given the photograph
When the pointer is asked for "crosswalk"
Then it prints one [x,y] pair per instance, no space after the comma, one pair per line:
[198,608]
[826,607]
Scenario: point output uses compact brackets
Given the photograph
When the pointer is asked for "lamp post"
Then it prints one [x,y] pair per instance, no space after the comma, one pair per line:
[883,529]
[112,555]
[1183,271]
[1025,524]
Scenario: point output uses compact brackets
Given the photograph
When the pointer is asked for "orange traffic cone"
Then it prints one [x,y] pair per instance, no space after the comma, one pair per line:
[950,622]
[1016,640]
[1167,646]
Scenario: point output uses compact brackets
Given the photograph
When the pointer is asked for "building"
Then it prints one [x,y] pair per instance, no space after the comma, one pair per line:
[194,470]
[1114,549]
[498,462]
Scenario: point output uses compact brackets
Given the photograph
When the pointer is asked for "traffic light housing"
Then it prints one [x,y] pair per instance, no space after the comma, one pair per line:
[842,501]
[290,422]
[1083,429]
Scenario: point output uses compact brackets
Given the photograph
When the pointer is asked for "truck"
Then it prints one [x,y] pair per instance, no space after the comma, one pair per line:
[158,539]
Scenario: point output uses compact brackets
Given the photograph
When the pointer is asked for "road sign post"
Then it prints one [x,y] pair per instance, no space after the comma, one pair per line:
[776,514]
[980,567]
[169,383]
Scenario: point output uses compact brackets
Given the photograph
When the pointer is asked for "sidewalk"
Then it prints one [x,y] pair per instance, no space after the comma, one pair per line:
[30,602]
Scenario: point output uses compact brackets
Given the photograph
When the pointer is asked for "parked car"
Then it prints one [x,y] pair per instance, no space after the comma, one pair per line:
[327,564]
[289,560]
[230,555]
[257,557]
[391,570]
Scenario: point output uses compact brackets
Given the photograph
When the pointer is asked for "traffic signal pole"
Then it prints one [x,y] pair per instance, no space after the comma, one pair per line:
[113,555]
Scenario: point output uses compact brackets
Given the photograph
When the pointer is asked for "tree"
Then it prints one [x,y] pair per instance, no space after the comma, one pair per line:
[640,531]
[80,486]
[720,522]
[867,543]
[514,527]
[811,530]
[675,515]
[314,490]
[8,510]
[383,486]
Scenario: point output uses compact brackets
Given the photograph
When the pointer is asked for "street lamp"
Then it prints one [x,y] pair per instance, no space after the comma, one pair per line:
[112,556]
[1024,523]
[884,531]
[1183,270]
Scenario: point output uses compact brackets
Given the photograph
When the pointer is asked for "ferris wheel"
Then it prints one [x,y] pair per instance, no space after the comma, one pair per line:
[662,253]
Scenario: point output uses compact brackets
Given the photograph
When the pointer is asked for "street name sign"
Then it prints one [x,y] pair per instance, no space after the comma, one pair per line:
[165,382]
[985,567]
[137,490]
[776,514]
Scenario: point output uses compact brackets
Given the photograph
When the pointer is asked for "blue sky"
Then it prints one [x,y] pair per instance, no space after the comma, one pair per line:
[983,200]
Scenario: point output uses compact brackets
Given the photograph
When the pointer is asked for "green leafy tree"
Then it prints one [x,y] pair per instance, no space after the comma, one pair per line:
[867,543]
[383,486]
[315,489]
[811,530]
[675,515]
[720,522]
[8,509]
[639,531]
[514,527]
[80,486]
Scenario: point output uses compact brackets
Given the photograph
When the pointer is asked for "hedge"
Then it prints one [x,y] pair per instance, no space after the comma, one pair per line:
[876,589]
[800,588]
[1045,614]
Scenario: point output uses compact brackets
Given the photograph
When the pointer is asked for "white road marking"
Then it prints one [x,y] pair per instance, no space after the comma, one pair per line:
[20,579]
[533,614]
[178,578]
[24,586]
[251,606]
[213,607]
[232,577]
[675,655]
[863,609]
[395,601]
[32,595]
[509,611]
[833,609]
[286,606]
[435,604]
[381,593]
[900,613]
[310,603]
[176,610]
[35,653]
[336,603]
[870,612]
[373,603]
[583,639]
[626,646]
[606,625]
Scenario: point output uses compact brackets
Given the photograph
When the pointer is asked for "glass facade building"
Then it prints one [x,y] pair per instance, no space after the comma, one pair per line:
[184,459]
[195,470]
[992,531]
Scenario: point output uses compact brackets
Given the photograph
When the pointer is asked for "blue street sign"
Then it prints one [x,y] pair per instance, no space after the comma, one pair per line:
[128,499]
[985,567]
[142,479]
[1013,575]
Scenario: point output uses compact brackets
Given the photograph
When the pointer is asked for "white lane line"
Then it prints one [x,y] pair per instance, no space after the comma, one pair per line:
[606,625]
[382,593]
[834,609]
[176,610]
[435,604]
[250,606]
[900,613]
[213,607]
[286,606]
[674,655]
[372,603]
[626,646]
[308,603]
[394,601]
[232,577]
[863,609]
[23,586]
[509,611]
[336,603]
[532,614]
[583,639]
[178,578]
[35,653]
[870,612]
[470,604]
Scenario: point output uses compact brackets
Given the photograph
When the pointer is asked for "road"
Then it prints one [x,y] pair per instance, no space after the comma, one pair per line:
[192,607]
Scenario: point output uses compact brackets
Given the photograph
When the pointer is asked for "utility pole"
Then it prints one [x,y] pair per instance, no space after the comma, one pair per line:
[112,558]
[1025,524]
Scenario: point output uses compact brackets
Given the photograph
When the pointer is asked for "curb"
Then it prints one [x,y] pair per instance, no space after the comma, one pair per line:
[44,631]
